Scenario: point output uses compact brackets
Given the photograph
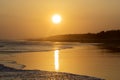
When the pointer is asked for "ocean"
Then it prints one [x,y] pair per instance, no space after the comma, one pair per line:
[92,59]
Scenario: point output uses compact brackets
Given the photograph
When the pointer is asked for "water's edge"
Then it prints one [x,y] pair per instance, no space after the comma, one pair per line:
[15,74]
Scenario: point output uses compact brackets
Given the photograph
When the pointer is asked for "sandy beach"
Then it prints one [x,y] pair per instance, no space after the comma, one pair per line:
[7,73]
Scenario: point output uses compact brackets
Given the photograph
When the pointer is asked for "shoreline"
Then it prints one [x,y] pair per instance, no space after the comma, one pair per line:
[7,73]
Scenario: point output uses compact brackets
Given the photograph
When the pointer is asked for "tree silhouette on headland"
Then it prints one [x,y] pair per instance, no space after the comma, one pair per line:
[103,36]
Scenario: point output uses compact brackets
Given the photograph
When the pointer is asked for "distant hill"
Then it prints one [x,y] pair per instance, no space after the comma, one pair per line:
[103,36]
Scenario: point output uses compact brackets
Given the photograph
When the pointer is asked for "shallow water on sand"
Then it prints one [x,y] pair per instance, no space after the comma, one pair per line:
[78,58]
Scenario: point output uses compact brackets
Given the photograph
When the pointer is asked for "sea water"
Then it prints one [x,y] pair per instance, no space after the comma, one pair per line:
[90,59]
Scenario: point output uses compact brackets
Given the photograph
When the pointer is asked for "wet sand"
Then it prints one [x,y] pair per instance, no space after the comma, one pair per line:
[7,73]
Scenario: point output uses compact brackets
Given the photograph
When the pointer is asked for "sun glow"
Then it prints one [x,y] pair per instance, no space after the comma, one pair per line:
[56,57]
[56,18]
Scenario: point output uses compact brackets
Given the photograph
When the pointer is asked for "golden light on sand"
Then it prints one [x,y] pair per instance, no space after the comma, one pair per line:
[56,19]
[56,58]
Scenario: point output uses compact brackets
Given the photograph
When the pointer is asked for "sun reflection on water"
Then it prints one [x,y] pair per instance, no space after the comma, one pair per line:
[56,59]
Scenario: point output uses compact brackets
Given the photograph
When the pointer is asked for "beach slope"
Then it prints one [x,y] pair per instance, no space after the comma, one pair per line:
[7,73]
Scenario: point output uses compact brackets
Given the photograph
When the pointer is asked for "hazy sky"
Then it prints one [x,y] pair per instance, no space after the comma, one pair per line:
[20,19]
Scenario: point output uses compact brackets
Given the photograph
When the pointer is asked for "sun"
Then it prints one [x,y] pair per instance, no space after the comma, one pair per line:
[56,19]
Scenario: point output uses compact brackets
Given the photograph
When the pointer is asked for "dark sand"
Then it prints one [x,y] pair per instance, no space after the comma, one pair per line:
[7,73]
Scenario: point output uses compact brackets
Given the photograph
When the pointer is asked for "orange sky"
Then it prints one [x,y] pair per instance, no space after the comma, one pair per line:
[21,19]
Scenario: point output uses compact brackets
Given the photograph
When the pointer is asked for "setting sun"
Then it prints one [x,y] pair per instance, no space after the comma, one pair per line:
[59,39]
[56,18]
